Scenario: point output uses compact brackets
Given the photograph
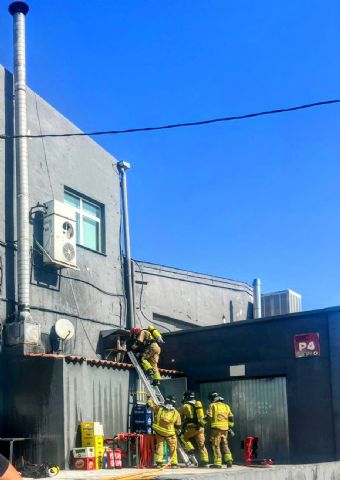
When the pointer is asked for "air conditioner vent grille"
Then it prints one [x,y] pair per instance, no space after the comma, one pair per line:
[69,251]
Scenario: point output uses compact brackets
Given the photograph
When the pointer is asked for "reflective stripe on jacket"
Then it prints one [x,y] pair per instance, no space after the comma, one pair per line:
[165,421]
[221,416]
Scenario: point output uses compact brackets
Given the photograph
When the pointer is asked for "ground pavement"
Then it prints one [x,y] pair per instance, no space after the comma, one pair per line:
[320,471]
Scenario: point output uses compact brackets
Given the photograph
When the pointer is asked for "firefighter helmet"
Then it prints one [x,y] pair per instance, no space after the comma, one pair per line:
[215,397]
[188,395]
[170,400]
[134,331]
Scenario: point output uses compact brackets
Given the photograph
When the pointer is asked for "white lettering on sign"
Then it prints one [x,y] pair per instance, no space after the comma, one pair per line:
[304,346]
[307,344]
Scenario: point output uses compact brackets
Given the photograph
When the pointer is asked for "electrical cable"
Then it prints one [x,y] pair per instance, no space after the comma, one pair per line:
[151,474]
[58,312]
[246,289]
[80,280]
[190,274]
[8,245]
[1,273]
[177,125]
[86,334]
[140,300]
[43,144]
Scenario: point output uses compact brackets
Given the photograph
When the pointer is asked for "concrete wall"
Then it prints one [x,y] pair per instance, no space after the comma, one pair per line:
[78,163]
[266,348]
[182,299]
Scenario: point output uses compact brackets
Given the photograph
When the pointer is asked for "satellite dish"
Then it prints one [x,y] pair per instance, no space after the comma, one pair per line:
[64,329]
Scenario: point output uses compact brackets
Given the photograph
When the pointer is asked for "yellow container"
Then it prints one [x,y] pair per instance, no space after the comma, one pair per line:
[89,435]
[96,428]
[96,442]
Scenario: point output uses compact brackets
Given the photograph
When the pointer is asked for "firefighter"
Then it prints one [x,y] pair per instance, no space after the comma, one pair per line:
[222,419]
[145,343]
[166,425]
[193,422]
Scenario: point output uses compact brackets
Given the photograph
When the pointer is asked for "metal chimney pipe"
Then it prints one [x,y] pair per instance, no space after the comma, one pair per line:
[257,298]
[19,10]
[123,166]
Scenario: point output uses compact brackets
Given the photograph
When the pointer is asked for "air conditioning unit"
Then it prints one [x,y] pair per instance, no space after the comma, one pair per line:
[280,303]
[59,239]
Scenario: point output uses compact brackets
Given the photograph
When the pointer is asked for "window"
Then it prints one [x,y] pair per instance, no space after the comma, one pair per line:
[89,220]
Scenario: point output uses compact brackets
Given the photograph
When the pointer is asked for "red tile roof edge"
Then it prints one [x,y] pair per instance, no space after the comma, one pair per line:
[97,362]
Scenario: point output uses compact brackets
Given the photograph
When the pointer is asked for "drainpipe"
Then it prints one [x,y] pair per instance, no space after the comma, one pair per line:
[123,166]
[257,298]
[19,10]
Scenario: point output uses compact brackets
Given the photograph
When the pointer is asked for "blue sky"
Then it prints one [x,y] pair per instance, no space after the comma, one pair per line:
[240,200]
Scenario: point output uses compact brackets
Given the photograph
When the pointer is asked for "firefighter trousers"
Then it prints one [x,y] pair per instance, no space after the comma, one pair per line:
[150,358]
[171,440]
[219,445]
[196,434]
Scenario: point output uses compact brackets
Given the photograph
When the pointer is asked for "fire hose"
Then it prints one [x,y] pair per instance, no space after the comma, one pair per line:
[151,474]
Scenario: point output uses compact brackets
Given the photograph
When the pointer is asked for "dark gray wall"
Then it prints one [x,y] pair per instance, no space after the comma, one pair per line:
[189,298]
[334,352]
[81,164]
[266,348]
[46,399]
[34,406]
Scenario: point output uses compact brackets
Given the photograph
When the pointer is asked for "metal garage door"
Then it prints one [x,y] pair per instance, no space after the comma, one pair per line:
[260,409]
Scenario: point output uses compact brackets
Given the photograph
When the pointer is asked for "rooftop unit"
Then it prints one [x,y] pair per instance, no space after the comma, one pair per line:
[280,303]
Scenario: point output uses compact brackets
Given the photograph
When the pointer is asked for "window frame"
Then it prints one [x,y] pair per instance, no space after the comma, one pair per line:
[81,214]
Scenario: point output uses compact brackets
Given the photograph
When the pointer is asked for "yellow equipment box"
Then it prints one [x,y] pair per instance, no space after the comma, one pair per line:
[91,428]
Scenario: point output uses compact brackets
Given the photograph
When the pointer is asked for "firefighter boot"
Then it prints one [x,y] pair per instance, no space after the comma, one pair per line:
[228,459]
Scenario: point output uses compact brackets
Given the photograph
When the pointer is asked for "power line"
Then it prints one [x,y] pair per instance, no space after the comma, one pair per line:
[176,125]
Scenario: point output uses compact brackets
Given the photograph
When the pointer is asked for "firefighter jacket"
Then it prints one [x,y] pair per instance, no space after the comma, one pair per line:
[220,415]
[147,337]
[138,343]
[165,422]
[192,414]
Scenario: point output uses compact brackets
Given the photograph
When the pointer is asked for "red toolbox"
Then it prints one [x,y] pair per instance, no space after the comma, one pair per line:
[84,463]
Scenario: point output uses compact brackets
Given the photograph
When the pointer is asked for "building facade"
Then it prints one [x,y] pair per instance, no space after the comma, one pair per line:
[56,392]
[280,376]
[79,172]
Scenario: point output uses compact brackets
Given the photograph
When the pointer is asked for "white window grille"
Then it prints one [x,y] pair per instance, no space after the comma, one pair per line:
[89,220]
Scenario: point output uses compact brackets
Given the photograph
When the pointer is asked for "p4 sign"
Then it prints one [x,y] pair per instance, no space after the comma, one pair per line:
[307,345]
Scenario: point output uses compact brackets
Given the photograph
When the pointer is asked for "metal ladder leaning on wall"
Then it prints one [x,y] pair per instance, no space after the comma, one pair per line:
[158,399]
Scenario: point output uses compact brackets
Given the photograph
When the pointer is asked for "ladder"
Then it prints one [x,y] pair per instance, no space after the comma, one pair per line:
[158,399]
[154,392]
